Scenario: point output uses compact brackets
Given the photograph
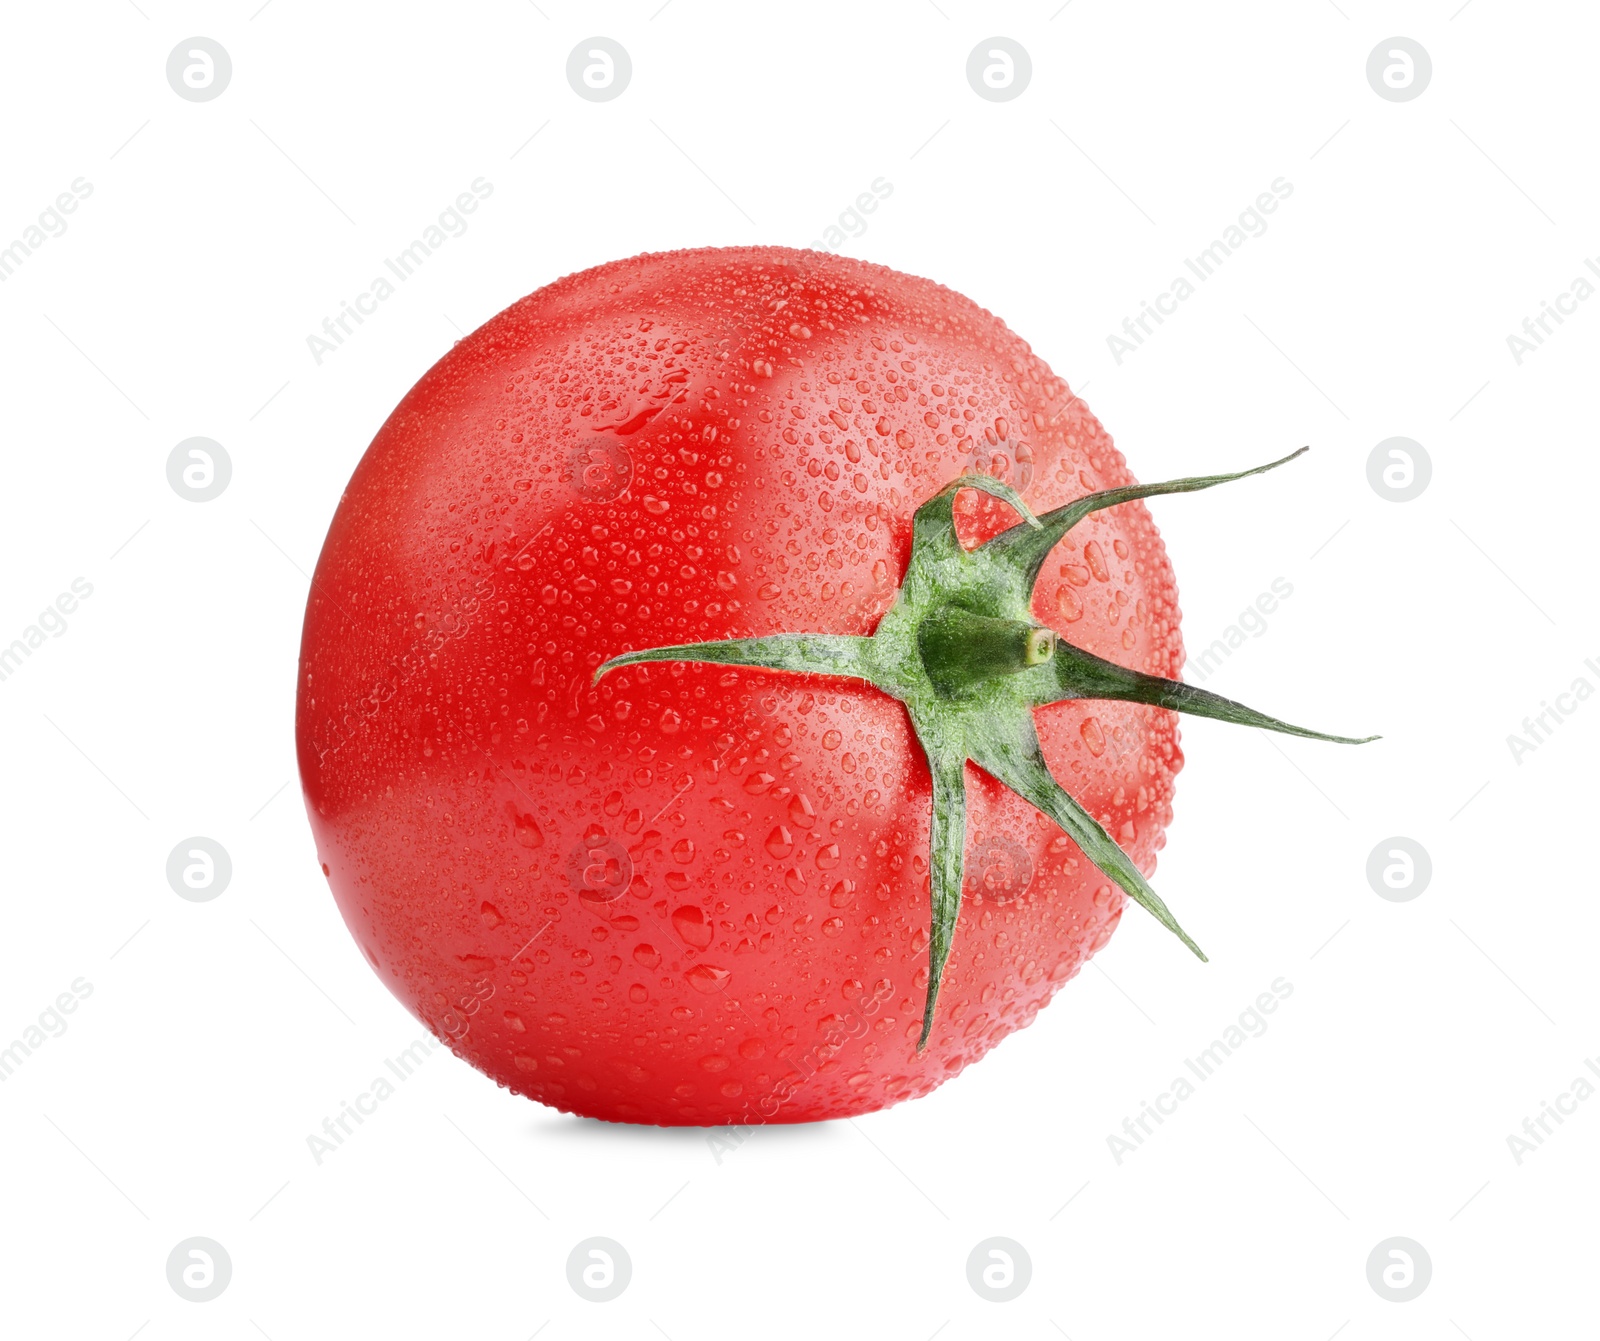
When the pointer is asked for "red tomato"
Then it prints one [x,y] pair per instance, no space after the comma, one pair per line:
[694,894]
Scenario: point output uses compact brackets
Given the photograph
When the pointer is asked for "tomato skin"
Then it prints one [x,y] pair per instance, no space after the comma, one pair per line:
[689,894]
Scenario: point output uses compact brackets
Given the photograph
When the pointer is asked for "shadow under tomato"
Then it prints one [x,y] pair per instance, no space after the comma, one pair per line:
[572,1130]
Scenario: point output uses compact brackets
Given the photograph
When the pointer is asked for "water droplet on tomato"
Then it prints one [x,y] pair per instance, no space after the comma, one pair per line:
[690,923]
[707,978]
[526,829]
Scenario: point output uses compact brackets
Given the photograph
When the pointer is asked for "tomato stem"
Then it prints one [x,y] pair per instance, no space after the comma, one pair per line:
[961,649]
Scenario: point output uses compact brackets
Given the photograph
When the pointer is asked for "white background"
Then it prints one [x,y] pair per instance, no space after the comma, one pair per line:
[1419,1035]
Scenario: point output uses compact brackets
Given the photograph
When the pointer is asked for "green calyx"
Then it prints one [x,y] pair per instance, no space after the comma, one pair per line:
[961,649]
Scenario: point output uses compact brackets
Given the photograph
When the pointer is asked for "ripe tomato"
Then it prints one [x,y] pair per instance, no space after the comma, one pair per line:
[689,893]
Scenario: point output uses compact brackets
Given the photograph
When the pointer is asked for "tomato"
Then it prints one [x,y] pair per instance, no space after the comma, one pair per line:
[691,893]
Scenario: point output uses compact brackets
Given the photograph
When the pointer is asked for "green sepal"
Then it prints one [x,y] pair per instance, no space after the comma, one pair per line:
[809,653]
[933,525]
[1074,673]
[1024,549]
[946,862]
[1016,760]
